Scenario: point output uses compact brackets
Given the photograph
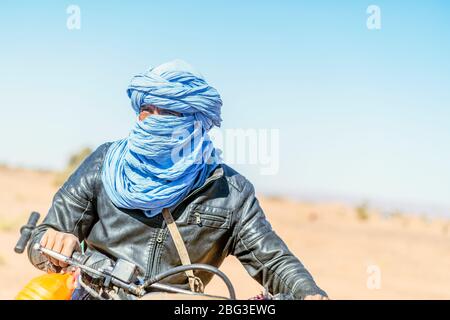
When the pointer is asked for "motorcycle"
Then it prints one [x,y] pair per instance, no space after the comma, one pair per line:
[117,282]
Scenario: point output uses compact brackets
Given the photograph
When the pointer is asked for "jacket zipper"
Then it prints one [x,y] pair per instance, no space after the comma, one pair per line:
[159,237]
[198,219]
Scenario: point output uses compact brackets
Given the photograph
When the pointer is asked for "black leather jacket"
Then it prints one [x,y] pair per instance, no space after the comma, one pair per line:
[221,217]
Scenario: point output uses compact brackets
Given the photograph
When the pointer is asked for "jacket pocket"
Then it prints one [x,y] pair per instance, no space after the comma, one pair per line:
[208,216]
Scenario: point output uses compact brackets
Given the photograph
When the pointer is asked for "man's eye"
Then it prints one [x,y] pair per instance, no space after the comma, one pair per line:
[172,113]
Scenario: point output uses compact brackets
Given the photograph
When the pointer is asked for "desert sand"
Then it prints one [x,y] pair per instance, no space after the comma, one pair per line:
[351,255]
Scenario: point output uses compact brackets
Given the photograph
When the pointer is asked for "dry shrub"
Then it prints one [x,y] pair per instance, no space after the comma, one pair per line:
[445,228]
[313,216]
[362,212]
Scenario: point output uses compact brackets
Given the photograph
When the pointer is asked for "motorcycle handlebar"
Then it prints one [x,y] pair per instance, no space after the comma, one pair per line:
[26,231]
[77,259]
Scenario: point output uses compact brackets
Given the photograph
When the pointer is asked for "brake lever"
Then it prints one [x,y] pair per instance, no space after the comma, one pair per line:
[68,260]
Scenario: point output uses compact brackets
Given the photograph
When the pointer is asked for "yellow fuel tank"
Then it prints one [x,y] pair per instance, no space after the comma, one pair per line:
[54,286]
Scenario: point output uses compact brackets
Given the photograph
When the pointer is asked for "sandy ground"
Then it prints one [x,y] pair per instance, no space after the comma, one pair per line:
[399,257]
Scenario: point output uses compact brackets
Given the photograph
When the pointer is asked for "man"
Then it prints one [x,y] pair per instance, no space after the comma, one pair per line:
[115,199]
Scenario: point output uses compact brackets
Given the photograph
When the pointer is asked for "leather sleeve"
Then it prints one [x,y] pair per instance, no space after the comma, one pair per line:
[265,256]
[73,206]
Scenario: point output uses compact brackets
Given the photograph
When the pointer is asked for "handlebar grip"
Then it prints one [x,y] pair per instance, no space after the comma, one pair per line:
[21,244]
[25,232]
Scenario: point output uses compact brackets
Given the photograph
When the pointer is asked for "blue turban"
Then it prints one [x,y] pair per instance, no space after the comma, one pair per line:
[165,156]
[178,87]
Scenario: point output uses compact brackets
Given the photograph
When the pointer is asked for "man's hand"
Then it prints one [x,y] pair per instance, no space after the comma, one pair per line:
[316,297]
[64,243]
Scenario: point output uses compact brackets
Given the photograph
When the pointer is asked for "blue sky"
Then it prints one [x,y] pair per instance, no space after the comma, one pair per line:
[362,113]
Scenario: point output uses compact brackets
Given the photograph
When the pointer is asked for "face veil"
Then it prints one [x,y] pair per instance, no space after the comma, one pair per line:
[165,156]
